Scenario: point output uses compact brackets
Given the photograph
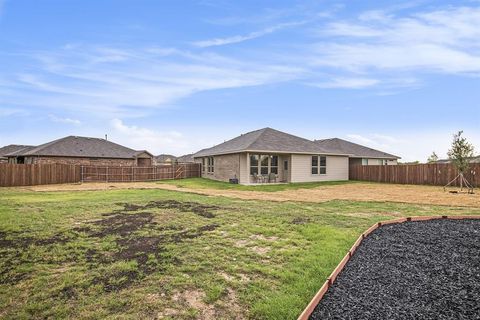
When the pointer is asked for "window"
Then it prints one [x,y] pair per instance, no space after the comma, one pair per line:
[319,165]
[365,162]
[263,164]
[314,164]
[210,162]
[203,164]
[323,165]
[285,165]
[274,164]
[254,164]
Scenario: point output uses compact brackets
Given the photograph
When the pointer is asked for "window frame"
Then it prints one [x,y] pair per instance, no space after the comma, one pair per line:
[320,169]
[260,164]
[210,165]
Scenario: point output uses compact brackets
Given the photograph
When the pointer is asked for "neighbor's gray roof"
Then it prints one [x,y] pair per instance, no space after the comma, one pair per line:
[13,148]
[356,150]
[267,139]
[165,157]
[73,146]
[185,158]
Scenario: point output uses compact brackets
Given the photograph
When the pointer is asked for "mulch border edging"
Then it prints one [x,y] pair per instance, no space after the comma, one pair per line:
[333,276]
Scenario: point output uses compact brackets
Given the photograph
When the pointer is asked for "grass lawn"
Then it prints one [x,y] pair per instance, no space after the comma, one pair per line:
[157,253]
[202,183]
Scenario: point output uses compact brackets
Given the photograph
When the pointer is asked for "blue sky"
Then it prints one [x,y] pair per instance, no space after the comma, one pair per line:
[178,76]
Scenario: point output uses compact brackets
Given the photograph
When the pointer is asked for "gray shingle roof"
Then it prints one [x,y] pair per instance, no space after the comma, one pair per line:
[185,158]
[356,150]
[267,139]
[13,148]
[73,146]
[165,157]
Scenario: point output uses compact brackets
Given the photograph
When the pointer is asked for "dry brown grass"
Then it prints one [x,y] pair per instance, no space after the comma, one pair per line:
[357,192]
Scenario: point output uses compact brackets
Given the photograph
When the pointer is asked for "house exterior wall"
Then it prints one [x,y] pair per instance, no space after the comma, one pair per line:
[238,164]
[81,161]
[301,169]
[244,169]
[371,161]
[225,167]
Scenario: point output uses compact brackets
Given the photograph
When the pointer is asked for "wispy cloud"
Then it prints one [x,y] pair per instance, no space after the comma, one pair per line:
[6,112]
[346,83]
[241,38]
[113,80]
[64,120]
[438,41]
[145,138]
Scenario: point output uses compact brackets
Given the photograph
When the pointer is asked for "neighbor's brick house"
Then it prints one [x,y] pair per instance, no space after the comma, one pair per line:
[81,151]
[10,149]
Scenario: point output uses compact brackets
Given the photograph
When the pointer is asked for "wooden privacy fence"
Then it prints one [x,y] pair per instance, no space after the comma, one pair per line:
[429,174]
[137,174]
[12,175]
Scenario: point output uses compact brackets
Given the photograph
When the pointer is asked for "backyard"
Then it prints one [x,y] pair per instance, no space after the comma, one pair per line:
[154,253]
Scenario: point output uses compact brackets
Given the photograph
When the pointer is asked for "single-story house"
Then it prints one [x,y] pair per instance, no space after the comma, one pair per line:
[9,149]
[269,155]
[165,159]
[359,154]
[81,151]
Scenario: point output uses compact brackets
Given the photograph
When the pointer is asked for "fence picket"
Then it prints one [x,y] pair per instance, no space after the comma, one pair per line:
[423,174]
[12,175]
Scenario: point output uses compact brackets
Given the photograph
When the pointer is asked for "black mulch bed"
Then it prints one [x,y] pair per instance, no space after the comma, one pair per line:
[413,270]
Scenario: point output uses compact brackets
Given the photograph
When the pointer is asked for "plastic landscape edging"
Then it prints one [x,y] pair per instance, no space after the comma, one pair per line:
[333,276]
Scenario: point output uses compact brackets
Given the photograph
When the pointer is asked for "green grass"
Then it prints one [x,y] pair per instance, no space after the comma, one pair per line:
[202,183]
[82,255]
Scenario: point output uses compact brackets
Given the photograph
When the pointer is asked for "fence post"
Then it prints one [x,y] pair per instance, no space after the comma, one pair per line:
[81,175]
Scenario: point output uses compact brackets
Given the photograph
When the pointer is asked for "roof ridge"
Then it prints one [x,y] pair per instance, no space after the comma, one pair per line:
[263,130]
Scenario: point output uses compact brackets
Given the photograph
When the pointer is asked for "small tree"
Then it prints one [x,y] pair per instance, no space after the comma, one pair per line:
[433,158]
[460,154]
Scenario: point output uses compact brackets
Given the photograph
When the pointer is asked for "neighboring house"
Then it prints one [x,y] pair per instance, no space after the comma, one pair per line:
[165,159]
[257,154]
[471,160]
[81,151]
[187,158]
[9,149]
[358,154]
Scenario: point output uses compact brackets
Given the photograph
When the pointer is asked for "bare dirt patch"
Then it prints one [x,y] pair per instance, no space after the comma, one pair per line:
[260,250]
[356,191]
[124,226]
[195,207]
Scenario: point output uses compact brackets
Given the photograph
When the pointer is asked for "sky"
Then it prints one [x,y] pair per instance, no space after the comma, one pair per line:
[178,76]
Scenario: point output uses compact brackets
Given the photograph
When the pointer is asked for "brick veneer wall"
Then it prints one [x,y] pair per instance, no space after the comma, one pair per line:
[225,167]
[82,161]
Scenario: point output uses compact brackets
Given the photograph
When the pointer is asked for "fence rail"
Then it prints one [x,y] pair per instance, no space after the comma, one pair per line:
[12,175]
[137,174]
[426,174]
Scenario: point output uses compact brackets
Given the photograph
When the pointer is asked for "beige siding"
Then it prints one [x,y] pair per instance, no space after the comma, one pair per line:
[301,169]
[244,169]
[376,162]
